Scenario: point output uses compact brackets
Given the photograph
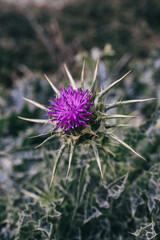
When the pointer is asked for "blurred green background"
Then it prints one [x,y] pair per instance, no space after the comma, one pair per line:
[41,35]
[36,38]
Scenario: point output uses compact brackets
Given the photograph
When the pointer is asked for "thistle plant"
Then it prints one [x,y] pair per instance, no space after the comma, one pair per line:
[80,117]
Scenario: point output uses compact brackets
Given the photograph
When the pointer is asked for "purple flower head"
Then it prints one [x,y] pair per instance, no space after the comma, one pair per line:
[70,109]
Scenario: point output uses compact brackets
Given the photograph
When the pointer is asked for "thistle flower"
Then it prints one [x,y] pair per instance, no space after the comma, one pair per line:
[70,109]
[78,117]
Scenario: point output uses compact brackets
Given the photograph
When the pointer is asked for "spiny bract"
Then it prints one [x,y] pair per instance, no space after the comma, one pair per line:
[79,116]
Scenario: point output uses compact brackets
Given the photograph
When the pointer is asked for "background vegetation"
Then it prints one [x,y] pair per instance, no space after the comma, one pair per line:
[37,38]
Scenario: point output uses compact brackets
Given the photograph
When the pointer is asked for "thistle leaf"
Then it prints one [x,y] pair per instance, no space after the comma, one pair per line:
[36,104]
[43,134]
[108,116]
[91,212]
[34,120]
[117,187]
[146,232]
[117,125]
[56,162]
[82,76]
[111,86]
[135,199]
[45,226]
[117,104]
[125,145]
[94,76]
[52,86]
[95,149]
[70,77]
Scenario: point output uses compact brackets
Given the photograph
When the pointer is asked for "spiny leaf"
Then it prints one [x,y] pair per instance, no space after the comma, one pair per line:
[111,86]
[52,86]
[45,226]
[136,200]
[108,116]
[91,212]
[70,158]
[36,104]
[95,149]
[117,187]
[121,103]
[146,232]
[117,125]
[154,186]
[102,197]
[43,134]
[50,137]
[82,76]
[34,120]
[70,77]
[94,76]
[152,206]
[125,145]
[56,162]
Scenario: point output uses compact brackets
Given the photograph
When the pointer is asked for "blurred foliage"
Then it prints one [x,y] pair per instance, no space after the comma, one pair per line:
[126,203]
[123,205]
[42,38]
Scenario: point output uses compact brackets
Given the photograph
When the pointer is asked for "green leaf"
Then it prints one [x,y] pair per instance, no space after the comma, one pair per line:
[102,197]
[45,226]
[136,199]
[152,206]
[91,212]
[117,187]
[145,233]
